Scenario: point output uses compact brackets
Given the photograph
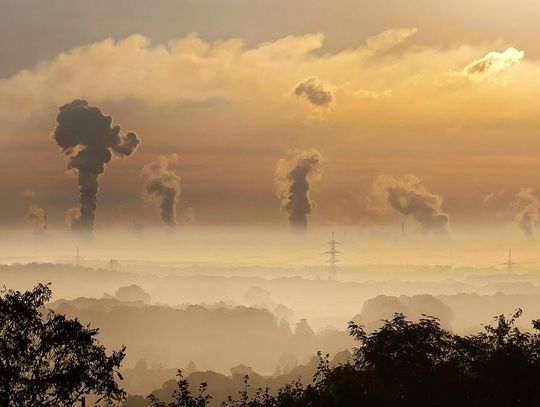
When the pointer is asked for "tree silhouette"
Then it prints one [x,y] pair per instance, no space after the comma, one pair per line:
[49,360]
[406,363]
[182,396]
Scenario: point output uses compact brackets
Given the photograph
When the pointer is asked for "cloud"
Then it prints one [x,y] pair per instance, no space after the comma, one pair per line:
[364,93]
[164,89]
[315,92]
[187,73]
[162,187]
[408,196]
[293,179]
[494,62]
[527,212]
[389,39]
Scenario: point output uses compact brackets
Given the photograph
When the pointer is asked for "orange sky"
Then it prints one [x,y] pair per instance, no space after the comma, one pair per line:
[462,115]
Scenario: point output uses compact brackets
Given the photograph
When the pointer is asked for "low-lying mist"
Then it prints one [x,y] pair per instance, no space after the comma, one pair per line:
[207,298]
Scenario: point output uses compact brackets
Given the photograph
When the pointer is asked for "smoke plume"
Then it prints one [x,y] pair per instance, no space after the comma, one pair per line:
[527,208]
[162,187]
[88,139]
[189,216]
[408,196]
[315,92]
[293,180]
[36,217]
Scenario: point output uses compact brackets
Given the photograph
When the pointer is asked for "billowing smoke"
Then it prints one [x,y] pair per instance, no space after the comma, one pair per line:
[408,196]
[36,217]
[72,216]
[527,208]
[88,139]
[315,92]
[293,179]
[162,187]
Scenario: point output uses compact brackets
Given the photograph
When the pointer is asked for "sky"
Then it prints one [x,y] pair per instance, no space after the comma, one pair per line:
[250,112]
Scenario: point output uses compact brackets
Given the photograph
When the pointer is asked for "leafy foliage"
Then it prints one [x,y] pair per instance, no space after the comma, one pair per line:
[406,363]
[49,360]
[182,396]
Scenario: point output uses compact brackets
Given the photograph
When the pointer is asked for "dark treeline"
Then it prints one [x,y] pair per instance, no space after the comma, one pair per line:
[403,363]
[220,385]
[47,359]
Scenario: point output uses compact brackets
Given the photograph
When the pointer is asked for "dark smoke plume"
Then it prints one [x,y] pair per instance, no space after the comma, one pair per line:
[89,140]
[162,187]
[293,180]
[314,91]
[408,196]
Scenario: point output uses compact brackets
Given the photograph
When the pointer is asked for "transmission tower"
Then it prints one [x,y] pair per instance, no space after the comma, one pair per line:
[509,263]
[333,256]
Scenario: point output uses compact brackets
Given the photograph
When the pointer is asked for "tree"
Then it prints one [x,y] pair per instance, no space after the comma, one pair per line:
[182,396]
[132,293]
[406,363]
[49,360]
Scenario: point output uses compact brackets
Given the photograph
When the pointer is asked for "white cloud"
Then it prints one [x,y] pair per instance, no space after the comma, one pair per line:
[494,62]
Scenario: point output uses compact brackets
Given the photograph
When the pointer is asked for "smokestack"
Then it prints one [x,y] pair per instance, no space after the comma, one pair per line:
[87,137]
[293,179]
[162,187]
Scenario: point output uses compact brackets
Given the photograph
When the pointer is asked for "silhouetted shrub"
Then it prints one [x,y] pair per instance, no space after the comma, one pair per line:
[406,363]
[48,360]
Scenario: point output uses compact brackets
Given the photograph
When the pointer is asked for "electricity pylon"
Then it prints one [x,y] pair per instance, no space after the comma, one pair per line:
[333,256]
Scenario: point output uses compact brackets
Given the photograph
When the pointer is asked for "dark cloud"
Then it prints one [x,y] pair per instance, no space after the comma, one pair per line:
[315,92]
[293,179]
[162,186]
[88,138]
